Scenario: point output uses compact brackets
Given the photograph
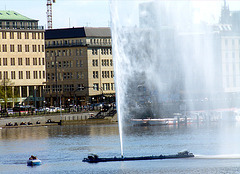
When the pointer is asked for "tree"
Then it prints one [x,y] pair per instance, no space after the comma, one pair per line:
[6,92]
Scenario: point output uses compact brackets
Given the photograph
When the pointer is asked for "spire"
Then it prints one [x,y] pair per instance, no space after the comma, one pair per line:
[225,14]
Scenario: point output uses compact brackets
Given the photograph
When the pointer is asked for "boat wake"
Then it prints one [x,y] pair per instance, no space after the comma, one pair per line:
[225,156]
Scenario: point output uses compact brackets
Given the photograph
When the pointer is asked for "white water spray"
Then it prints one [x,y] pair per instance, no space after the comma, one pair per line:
[162,60]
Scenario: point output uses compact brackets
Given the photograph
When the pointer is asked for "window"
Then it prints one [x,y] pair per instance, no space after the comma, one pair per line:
[26,48]
[94,62]
[4,47]
[95,74]
[4,35]
[19,61]
[42,48]
[64,75]
[48,76]
[13,76]
[34,61]
[12,48]
[59,64]
[47,88]
[39,61]
[12,61]
[43,74]
[20,74]
[0,61]
[27,60]
[111,62]
[0,75]
[5,75]
[34,48]
[43,61]
[33,35]
[106,86]
[8,24]
[35,74]
[80,87]
[52,64]
[112,86]
[11,35]
[80,63]
[95,87]
[27,74]
[19,48]
[19,35]
[94,51]
[40,74]
[52,76]
[22,25]
[64,64]
[26,35]
[4,61]
[63,53]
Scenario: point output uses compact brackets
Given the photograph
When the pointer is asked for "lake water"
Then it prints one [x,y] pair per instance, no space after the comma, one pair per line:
[62,148]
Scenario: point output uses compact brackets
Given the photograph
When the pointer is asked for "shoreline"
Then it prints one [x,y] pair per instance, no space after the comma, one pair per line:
[51,120]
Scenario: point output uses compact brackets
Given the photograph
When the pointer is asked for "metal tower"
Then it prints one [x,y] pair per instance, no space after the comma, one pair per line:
[49,13]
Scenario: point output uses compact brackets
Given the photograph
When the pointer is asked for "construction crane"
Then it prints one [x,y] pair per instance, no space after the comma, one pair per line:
[49,13]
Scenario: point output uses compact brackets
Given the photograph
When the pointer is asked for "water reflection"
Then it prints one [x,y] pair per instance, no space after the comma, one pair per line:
[45,132]
[62,148]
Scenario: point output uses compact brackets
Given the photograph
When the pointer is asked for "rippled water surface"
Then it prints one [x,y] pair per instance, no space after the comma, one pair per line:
[62,148]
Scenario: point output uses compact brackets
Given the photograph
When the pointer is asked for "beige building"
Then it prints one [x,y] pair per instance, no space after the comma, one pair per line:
[79,66]
[22,60]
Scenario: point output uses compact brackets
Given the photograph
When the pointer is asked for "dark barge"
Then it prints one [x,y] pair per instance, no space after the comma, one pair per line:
[96,159]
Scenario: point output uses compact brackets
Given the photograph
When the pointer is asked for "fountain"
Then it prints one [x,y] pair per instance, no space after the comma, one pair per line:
[164,63]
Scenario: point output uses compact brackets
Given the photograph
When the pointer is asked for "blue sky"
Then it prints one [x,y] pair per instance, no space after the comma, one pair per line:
[66,13]
[96,13]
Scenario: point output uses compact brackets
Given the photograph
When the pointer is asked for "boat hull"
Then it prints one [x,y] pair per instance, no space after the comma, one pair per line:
[34,162]
[97,159]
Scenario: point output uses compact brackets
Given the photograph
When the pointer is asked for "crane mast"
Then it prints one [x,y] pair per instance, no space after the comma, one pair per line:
[49,13]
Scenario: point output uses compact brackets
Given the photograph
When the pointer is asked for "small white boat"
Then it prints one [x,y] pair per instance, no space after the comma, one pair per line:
[35,162]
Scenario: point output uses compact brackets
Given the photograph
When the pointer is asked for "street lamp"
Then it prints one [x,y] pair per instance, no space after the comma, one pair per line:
[69,104]
[44,106]
[55,64]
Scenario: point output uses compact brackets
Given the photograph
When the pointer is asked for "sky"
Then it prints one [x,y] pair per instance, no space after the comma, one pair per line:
[96,13]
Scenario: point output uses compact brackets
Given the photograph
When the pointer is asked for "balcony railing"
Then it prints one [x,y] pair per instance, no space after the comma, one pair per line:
[17,27]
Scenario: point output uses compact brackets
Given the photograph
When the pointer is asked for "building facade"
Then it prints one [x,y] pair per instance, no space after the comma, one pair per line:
[22,60]
[79,66]
[229,33]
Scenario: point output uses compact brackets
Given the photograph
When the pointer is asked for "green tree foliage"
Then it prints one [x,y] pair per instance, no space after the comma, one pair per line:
[6,91]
